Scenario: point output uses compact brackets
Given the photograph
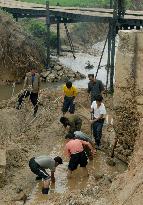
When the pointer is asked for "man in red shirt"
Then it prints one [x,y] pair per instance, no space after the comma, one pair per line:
[74,149]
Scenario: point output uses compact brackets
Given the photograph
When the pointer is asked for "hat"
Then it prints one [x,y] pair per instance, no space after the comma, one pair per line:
[58,159]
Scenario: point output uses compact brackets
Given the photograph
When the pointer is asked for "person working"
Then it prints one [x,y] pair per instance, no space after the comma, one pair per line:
[75,151]
[38,166]
[82,136]
[70,92]
[32,85]
[99,112]
[72,123]
[95,87]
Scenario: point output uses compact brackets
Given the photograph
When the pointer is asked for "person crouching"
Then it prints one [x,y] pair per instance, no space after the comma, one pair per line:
[74,149]
[38,166]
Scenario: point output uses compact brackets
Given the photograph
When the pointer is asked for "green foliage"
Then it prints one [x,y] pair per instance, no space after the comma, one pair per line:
[81,3]
[130,4]
[38,30]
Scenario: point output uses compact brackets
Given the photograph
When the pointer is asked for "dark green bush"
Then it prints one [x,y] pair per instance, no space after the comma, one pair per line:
[37,28]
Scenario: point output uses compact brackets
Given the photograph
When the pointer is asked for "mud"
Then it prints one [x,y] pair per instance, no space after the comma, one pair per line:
[46,136]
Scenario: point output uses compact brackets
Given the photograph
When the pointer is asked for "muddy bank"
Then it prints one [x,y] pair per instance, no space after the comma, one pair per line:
[23,139]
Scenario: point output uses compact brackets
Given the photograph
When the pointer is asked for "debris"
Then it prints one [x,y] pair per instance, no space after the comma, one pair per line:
[89,66]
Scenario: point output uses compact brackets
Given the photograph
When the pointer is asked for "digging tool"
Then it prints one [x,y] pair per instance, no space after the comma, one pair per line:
[114,147]
[92,116]
[83,107]
[110,161]
[44,109]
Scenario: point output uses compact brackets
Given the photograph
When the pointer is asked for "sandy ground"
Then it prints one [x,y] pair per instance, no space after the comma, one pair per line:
[24,137]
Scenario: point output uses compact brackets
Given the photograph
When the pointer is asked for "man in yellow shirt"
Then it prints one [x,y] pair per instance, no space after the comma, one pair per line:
[70,92]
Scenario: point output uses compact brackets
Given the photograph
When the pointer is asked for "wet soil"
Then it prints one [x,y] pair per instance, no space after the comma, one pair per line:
[98,167]
[45,135]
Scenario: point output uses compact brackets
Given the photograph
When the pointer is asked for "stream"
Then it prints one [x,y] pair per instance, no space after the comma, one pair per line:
[77,65]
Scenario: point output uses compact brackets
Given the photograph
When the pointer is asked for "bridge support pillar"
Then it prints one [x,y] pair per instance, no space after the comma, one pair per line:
[109,56]
[58,36]
[113,35]
[48,35]
[16,17]
[113,38]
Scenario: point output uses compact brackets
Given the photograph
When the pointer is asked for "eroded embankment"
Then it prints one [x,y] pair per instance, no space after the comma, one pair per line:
[128,104]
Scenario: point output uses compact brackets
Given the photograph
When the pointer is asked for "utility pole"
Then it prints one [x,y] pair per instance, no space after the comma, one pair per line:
[48,34]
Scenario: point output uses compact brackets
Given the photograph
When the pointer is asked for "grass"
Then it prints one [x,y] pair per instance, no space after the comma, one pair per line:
[80,3]
[130,4]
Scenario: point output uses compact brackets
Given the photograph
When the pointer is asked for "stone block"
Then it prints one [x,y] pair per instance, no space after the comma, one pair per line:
[2,158]
[139,42]
[45,74]
[139,61]
[2,166]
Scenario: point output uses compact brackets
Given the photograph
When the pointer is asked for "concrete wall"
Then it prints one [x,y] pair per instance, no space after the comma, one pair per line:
[128,97]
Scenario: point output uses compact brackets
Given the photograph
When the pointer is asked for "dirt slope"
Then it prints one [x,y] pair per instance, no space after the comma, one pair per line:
[17,50]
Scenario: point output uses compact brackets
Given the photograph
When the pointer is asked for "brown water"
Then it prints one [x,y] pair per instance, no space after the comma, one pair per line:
[77,64]
[78,181]
[6,91]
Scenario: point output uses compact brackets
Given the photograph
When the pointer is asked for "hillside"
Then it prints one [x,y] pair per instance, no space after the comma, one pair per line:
[17,50]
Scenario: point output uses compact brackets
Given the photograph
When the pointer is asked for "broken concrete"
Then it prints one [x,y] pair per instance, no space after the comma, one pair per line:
[2,166]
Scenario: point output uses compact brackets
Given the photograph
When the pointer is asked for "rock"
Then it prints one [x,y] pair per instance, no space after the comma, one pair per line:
[2,158]
[98,176]
[2,166]
[60,73]
[111,162]
[57,67]
[19,203]
[45,74]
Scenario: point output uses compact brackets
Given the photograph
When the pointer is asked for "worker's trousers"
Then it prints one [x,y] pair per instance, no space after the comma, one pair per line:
[97,131]
[33,98]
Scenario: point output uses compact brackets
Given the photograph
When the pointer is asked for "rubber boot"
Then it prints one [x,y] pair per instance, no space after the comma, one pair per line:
[45,190]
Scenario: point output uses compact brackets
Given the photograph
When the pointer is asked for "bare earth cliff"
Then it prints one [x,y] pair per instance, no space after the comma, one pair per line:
[127,189]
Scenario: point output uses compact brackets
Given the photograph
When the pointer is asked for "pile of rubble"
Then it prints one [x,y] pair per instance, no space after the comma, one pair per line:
[59,72]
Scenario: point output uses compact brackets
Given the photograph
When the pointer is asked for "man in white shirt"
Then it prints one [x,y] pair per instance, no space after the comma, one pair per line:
[99,112]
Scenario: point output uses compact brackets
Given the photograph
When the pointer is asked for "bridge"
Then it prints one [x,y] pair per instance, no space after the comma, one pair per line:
[115,17]
[69,14]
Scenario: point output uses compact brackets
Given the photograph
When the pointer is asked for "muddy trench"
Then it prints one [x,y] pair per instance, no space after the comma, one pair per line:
[25,137]
[45,135]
